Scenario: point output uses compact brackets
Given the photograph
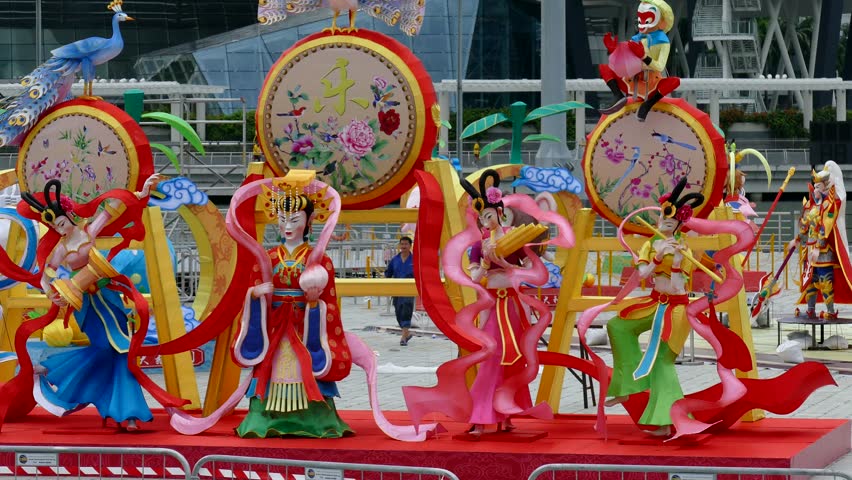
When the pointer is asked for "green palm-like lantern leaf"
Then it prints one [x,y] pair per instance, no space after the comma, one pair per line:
[169,153]
[179,124]
[519,117]
[183,127]
[492,146]
[483,124]
[542,137]
[554,109]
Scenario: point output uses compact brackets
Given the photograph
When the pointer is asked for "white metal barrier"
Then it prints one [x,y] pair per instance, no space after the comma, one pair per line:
[654,472]
[224,467]
[18,461]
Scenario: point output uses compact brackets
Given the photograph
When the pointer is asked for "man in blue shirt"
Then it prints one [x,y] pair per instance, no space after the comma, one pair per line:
[402,266]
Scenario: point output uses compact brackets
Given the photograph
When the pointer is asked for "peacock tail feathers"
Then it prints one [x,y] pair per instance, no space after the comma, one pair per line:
[407,14]
[44,87]
[274,11]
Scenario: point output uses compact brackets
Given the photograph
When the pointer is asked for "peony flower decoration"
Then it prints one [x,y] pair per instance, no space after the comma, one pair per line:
[303,144]
[357,138]
[388,121]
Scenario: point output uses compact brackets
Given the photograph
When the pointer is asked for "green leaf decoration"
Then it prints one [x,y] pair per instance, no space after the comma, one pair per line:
[542,137]
[380,145]
[368,164]
[168,153]
[179,124]
[442,144]
[446,125]
[554,109]
[483,124]
[492,146]
[324,157]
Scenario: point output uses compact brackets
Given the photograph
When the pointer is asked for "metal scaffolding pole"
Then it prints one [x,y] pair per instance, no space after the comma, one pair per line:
[39,34]
[553,73]
[459,77]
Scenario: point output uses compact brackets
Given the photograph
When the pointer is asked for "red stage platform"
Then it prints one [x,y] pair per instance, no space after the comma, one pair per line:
[776,443]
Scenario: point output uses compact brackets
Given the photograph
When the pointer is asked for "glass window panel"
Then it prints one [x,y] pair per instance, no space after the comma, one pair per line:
[21,68]
[23,36]
[5,70]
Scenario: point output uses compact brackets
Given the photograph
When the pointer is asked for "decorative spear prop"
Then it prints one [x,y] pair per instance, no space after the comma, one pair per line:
[769,214]
[767,286]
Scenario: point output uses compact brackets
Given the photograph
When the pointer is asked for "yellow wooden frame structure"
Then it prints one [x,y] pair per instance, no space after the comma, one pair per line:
[165,306]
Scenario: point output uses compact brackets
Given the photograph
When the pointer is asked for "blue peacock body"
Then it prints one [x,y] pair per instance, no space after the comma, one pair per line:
[51,82]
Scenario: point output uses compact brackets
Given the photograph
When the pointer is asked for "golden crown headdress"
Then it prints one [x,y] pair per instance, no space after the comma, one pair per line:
[291,193]
[819,176]
[115,5]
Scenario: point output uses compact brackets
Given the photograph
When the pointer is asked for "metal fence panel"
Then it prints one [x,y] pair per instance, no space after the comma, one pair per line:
[225,467]
[566,471]
[21,461]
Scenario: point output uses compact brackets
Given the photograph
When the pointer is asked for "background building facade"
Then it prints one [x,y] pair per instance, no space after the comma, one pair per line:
[218,42]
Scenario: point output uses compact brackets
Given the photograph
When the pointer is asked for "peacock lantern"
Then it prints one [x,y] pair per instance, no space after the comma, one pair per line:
[51,82]
[408,14]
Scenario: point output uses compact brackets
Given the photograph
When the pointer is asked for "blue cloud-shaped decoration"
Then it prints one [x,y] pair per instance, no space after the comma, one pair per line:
[455,162]
[554,275]
[189,322]
[551,180]
[178,192]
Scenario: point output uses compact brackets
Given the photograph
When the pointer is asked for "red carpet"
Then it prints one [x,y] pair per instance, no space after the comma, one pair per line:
[802,443]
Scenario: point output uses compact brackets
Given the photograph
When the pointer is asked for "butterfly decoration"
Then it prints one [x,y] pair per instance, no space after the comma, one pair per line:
[46,143]
[104,150]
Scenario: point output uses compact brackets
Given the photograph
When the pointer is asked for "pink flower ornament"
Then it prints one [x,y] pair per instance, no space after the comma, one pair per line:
[684,213]
[66,205]
[493,195]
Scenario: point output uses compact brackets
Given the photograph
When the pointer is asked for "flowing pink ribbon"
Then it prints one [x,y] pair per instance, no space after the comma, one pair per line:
[365,358]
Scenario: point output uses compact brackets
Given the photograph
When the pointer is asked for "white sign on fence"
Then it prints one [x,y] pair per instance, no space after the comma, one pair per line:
[692,476]
[25,459]
[312,473]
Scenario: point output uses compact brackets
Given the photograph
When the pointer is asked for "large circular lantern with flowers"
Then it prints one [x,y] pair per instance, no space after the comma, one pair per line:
[353,107]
